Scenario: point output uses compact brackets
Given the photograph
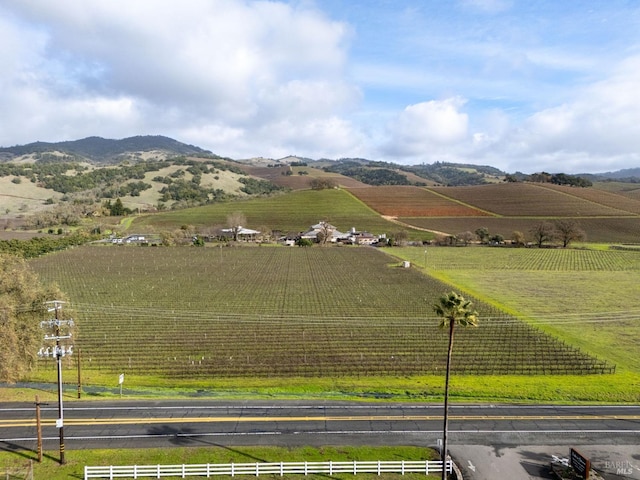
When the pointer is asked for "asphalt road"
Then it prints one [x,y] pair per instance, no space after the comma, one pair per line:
[478,433]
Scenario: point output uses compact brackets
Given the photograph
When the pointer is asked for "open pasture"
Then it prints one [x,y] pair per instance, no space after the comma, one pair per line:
[408,201]
[528,199]
[319,312]
[587,297]
[292,212]
[597,229]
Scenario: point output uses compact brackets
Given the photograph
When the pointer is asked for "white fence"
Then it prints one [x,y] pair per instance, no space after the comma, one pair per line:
[257,469]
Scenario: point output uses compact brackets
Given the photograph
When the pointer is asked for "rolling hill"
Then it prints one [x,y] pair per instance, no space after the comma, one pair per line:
[72,183]
[102,150]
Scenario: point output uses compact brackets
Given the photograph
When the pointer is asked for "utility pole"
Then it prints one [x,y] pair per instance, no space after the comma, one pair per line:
[57,352]
[79,377]
[39,429]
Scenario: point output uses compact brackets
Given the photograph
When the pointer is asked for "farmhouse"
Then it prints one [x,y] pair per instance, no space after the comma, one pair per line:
[364,238]
[129,239]
[243,233]
[322,229]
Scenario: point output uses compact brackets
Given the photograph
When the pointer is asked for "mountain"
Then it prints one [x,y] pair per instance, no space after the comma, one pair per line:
[625,174]
[103,150]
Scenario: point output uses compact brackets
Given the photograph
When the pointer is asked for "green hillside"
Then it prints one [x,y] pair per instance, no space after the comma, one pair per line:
[292,212]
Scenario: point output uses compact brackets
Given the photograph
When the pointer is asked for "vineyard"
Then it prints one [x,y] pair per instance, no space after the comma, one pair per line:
[588,297]
[598,229]
[293,212]
[407,201]
[525,199]
[600,196]
[235,312]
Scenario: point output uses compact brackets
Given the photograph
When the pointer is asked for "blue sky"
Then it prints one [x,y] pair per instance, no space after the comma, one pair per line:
[520,85]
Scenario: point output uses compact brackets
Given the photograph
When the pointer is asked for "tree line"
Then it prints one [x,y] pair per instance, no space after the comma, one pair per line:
[555,178]
[564,231]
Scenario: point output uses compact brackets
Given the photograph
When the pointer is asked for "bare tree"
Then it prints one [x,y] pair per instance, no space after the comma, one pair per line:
[465,237]
[568,230]
[325,232]
[400,238]
[235,222]
[543,232]
[266,234]
[517,237]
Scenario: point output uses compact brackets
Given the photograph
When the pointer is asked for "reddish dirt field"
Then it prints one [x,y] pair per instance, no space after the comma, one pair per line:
[409,201]
[527,199]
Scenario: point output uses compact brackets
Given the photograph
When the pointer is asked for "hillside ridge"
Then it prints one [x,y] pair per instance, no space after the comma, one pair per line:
[104,150]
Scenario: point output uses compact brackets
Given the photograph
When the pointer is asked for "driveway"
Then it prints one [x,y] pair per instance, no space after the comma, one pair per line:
[478,462]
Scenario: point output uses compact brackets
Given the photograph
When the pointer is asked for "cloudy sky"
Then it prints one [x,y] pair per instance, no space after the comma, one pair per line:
[522,85]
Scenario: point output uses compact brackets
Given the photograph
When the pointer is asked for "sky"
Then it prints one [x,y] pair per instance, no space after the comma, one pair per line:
[524,86]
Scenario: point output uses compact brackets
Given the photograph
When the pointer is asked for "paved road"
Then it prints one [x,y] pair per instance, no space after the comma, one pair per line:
[486,435]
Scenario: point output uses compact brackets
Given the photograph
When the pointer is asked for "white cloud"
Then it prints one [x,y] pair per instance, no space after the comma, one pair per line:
[488,6]
[518,86]
[426,127]
[198,66]
[596,131]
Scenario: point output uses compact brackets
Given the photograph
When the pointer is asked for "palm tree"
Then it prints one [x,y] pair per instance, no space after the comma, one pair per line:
[452,309]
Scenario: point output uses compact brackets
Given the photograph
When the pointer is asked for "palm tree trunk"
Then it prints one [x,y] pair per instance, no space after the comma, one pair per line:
[445,429]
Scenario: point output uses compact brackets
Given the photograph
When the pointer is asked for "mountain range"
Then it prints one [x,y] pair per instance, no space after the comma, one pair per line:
[100,150]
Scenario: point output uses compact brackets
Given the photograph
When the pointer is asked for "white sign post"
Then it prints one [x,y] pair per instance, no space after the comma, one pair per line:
[121,381]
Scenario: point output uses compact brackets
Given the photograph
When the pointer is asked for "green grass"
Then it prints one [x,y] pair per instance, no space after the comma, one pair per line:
[623,387]
[18,464]
[587,297]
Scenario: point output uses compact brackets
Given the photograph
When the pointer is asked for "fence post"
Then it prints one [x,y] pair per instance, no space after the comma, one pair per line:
[402,467]
[233,469]
[281,469]
[305,468]
[378,467]
[355,467]
[330,467]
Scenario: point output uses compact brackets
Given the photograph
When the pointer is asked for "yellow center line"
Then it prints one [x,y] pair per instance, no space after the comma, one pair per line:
[375,418]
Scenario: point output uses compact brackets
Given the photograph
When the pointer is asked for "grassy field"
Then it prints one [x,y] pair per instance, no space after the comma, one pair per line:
[18,466]
[588,297]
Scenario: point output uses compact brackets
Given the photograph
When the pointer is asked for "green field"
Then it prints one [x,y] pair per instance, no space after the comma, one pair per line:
[342,321]
[18,467]
[587,297]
